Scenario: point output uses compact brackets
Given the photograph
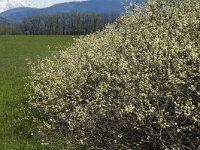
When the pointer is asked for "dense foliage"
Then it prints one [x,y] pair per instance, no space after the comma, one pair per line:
[135,85]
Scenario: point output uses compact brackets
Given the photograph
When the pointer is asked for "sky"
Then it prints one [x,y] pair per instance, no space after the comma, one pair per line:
[46,3]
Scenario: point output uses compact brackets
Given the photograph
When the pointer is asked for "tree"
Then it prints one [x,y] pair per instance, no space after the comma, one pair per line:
[134,85]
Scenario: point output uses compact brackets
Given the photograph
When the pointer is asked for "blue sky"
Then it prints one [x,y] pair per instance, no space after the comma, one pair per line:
[45,3]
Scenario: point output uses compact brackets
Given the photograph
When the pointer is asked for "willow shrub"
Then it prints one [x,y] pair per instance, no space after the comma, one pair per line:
[134,85]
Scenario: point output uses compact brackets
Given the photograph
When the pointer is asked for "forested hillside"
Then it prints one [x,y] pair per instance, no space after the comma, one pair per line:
[97,6]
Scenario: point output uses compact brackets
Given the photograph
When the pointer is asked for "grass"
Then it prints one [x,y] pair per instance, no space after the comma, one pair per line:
[14,131]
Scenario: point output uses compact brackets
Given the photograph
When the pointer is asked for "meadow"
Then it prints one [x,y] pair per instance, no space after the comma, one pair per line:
[14,50]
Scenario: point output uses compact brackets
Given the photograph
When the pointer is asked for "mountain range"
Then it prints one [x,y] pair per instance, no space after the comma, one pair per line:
[25,9]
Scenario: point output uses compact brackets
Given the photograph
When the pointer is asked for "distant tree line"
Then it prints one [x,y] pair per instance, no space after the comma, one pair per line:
[73,23]
[8,27]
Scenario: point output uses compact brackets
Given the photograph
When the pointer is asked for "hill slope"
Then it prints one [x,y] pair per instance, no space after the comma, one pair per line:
[99,6]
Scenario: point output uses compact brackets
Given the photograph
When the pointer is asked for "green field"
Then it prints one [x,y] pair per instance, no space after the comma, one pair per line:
[14,131]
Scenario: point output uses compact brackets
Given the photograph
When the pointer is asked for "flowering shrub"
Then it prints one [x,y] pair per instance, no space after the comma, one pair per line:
[134,85]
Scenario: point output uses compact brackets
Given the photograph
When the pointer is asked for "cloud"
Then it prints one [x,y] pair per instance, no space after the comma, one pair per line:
[46,3]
